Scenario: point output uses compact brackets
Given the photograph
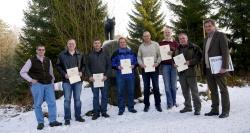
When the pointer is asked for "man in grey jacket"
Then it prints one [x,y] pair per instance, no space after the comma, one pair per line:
[98,61]
[215,44]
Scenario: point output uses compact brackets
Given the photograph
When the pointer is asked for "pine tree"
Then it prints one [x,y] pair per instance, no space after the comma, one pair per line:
[145,18]
[190,15]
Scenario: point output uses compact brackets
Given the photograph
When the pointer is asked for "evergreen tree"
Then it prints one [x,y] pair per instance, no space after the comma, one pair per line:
[190,15]
[235,16]
[145,18]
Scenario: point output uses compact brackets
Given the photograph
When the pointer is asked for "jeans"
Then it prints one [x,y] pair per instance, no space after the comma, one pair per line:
[104,99]
[68,88]
[125,85]
[41,92]
[169,74]
[154,76]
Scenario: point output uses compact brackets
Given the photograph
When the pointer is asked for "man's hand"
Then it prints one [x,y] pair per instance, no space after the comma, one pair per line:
[66,76]
[91,79]
[142,66]
[155,65]
[120,67]
[222,71]
[104,78]
[132,66]
[33,81]
[187,63]
[80,74]
[175,65]
[170,52]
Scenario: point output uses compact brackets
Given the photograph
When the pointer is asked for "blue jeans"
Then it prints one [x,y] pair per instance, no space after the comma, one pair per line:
[169,74]
[41,92]
[154,76]
[68,88]
[104,99]
[125,85]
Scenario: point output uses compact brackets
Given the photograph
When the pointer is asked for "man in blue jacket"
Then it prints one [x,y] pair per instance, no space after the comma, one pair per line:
[125,82]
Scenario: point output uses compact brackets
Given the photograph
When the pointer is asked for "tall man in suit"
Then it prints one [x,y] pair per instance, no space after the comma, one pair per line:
[215,44]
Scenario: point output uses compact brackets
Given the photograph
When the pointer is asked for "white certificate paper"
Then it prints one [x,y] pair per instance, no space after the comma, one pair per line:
[73,74]
[164,52]
[216,63]
[98,80]
[180,62]
[58,86]
[126,64]
[149,62]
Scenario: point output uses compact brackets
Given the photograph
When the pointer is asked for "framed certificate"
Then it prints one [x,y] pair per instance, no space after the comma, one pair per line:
[126,65]
[216,63]
[73,74]
[149,62]
[98,80]
[180,62]
[164,52]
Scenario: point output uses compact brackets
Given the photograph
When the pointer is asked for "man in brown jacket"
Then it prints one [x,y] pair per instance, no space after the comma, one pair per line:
[215,44]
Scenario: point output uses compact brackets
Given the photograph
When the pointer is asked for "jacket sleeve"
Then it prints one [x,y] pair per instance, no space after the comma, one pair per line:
[115,61]
[60,67]
[224,50]
[87,68]
[196,57]
[83,64]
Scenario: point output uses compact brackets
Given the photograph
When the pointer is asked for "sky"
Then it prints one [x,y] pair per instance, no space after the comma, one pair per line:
[11,12]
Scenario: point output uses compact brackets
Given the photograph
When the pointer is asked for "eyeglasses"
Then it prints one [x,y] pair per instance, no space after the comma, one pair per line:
[41,49]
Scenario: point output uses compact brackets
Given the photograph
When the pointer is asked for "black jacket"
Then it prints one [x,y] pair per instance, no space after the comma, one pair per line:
[66,61]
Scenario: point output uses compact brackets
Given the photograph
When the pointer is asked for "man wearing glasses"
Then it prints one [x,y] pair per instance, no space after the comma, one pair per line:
[38,71]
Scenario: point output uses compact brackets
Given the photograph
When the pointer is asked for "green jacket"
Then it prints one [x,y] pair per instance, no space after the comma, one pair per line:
[191,53]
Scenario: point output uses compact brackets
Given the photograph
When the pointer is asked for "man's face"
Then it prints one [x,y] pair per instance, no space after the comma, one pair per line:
[209,27]
[71,45]
[167,33]
[97,44]
[40,51]
[183,39]
[122,43]
[146,37]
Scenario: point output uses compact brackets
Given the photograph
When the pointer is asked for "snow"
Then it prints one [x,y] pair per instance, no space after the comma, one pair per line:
[168,121]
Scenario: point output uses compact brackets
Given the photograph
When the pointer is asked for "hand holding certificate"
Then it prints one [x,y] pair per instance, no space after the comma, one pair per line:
[164,50]
[73,75]
[149,62]
[98,80]
[126,65]
[216,63]
[180,61]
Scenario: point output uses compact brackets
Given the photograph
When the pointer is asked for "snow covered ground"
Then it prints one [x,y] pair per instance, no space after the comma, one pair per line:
[168,121]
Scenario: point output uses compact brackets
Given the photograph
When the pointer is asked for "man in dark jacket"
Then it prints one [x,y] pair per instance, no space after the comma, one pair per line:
[215,44]
[67,59]
[38,71]
[98,62]
[188,81]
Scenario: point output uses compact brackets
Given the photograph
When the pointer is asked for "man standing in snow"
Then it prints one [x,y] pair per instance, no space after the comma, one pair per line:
[215,44]
[150,49]
[38,71]
[188,81]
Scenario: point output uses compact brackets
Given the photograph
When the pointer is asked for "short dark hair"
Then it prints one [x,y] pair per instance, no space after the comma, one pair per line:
[183,33]
[121,39]
[39,45]
[210,21]
[97,39]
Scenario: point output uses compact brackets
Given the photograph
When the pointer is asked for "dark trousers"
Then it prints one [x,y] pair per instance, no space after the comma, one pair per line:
[154,76]
[213,81]
[190,84]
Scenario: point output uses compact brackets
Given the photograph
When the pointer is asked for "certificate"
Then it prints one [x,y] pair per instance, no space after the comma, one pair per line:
[58,86]
[180,62]
[149,62]
[73,74]
[126,65]
[98,80]
[164,50]
[216,63]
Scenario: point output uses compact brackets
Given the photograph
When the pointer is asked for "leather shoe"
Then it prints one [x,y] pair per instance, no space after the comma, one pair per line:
[223,115]
[211,113]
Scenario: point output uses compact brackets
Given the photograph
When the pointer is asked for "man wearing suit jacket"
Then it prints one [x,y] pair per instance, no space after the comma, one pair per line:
[215,44]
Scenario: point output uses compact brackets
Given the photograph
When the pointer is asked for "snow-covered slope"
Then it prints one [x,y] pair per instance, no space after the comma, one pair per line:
[168,121]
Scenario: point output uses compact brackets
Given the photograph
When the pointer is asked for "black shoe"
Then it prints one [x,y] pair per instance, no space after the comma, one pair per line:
[159,109]
[176,105]
[40,126]
[55,123]
[120,113]
[223,115]
[146,108]
[105,115]
[185,110]
[196,112]
[169,107]
[132,111]
[211,113]
[95,116]
[80,119]
[67,122]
